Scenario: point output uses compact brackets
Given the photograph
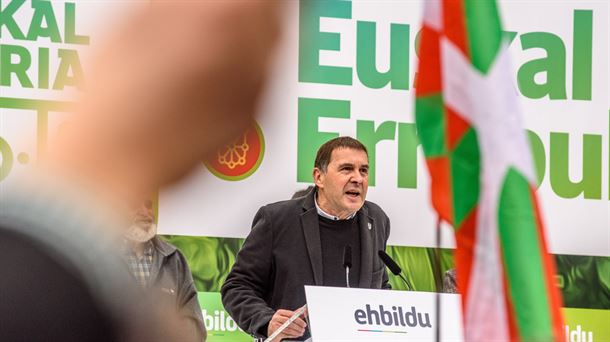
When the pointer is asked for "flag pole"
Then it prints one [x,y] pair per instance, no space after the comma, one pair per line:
[438,277]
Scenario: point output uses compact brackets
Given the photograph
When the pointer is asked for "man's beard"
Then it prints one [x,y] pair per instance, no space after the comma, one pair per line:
[141,232]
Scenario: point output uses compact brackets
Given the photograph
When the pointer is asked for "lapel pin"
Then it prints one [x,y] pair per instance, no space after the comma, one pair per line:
[370,226]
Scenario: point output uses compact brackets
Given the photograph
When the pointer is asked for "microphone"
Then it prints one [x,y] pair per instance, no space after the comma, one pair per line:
[394,268]
[347,262]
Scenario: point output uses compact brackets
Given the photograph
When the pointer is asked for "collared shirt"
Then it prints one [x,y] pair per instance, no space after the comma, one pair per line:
[140,266]
[327,215]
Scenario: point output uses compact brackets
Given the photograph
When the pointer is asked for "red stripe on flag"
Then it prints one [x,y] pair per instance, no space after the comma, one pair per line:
[454,20]
[456,127]
[555,301]
[510,308]
[465,239]
[441,187]
[429,74]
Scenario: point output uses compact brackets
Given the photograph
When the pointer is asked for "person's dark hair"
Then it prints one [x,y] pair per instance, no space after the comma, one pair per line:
[326,150]
[302,192]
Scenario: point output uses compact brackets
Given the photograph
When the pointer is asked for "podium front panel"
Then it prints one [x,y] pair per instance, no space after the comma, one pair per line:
[342,314]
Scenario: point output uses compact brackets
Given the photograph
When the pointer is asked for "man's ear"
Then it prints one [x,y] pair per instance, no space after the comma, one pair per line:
[318,177]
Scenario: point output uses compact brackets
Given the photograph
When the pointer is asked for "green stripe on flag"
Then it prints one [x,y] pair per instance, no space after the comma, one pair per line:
[522,257]
[430,121]
[484,32]
[465,170]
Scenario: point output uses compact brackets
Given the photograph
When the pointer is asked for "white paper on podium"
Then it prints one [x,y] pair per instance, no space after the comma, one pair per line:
[342,314]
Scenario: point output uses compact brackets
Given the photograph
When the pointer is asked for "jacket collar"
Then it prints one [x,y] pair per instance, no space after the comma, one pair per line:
[163,247]
[311,232]
[367,254]
[163,250]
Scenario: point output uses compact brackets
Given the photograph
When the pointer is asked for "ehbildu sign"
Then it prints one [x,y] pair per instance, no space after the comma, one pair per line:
[380,315]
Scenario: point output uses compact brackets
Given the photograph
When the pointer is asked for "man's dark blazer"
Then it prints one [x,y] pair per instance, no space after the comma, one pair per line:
[283,252]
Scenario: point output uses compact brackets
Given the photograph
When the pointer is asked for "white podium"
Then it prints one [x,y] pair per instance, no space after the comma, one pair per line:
[342,314]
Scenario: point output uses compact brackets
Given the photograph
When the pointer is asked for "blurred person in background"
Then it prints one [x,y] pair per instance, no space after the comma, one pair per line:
[449,282]
[162,271]
[176,81]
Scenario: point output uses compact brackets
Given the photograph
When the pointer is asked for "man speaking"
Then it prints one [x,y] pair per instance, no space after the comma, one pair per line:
[302,242]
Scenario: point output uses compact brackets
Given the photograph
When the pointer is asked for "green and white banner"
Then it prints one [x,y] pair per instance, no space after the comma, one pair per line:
[348,68]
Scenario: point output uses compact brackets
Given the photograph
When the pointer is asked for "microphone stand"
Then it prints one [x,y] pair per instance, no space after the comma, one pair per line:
[347,276]
[438,277]
[394,268]
[409,287]
[347,262]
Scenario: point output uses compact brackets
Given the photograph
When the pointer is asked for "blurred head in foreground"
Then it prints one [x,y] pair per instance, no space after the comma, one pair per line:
[178,80]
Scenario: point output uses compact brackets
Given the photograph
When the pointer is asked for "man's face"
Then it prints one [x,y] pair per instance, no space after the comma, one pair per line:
[343,187]
[143,226]
[144,216]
